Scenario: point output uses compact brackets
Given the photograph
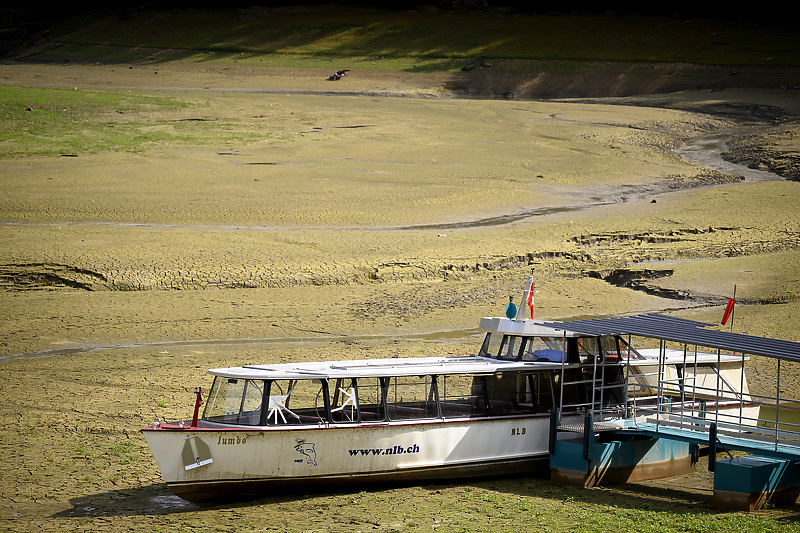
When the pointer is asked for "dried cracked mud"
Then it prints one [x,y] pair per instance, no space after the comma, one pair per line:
[361,227]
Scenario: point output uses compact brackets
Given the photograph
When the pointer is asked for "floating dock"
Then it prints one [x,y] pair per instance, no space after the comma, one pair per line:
[661,435]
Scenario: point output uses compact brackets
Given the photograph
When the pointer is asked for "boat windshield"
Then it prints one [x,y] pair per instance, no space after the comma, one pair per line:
[491,345]
[258,403]
[235,401]
[522,348]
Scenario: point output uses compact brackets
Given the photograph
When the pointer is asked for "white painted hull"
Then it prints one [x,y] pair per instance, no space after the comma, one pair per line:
[257,461]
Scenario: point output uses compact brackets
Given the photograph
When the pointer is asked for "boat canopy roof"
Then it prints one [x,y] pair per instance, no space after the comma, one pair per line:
[528,328]
[684,331]
[654,326]
[417,366]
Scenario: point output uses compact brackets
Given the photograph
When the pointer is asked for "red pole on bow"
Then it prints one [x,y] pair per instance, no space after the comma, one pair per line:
[197,403]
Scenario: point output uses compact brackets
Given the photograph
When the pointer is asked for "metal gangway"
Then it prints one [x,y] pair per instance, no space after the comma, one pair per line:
[691,384]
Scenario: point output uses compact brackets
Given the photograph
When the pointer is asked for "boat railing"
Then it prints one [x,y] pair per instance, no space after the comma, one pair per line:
[692,396]
[739,427]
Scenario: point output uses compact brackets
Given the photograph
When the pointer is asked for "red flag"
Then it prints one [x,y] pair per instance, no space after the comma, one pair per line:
[530,299]
[728,310]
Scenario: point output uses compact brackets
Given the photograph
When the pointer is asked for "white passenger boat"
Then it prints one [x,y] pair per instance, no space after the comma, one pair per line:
[267,427]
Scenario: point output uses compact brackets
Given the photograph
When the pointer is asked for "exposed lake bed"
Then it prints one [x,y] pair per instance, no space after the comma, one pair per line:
[127,275]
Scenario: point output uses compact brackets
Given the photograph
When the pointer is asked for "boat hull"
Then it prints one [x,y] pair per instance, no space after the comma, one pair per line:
[216,492]
[204,465]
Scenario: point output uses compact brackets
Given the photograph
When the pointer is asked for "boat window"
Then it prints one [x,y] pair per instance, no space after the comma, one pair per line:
[491,345]
[588,348]
[509,393]
[510,347]
[368,391]
[554,343]
[344,400]
[234,401]
[561,345]
[542,391]
[411,398]
[611,346]
[626,350]
[461,396]
[538,349]
[296,401]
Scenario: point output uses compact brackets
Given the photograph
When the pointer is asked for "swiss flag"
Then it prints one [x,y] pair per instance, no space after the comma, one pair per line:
[530,299]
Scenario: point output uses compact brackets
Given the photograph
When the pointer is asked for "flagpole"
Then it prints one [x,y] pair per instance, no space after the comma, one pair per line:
[733,310]
[525,296]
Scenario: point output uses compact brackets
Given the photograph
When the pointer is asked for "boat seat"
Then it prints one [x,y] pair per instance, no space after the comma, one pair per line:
[556,356]
[402,412]
[340,416]
[305,419]
[504,407]
[251,418]
[455,410]
[295,420]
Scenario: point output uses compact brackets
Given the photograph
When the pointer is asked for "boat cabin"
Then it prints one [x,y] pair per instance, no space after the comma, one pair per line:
[521,368]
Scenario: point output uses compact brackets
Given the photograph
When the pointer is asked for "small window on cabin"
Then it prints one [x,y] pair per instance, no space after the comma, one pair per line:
[234,401]
[491,345]
[296,401]
[568,346]
[625,349]
[610,346]
[542,391]
[554,343]
[510,348]
[369,399]
[588,348]
[252,398]
[411,398]
[537,349]
[461,395]
[509,394]
[344,400]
